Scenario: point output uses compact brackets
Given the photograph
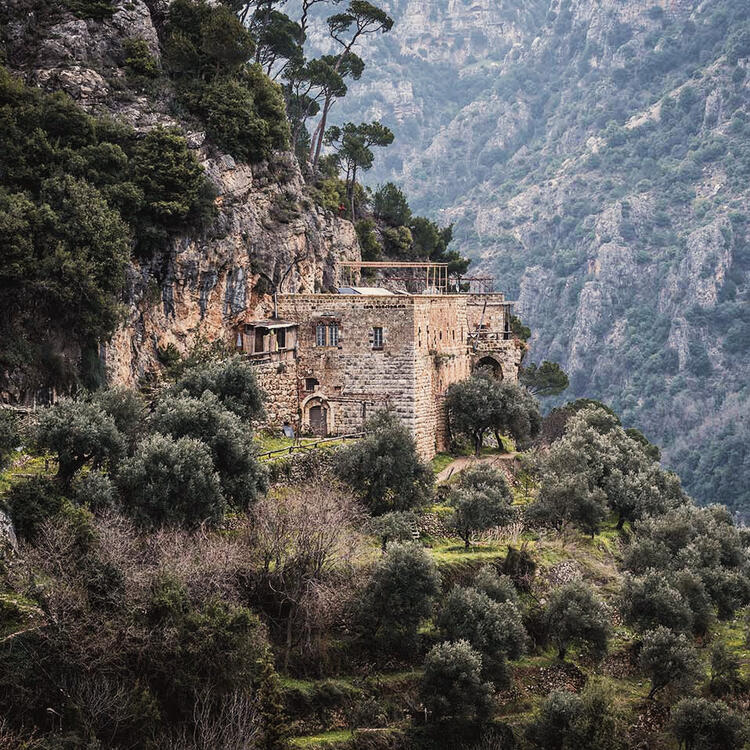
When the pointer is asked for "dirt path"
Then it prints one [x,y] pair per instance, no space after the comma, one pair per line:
[462,462]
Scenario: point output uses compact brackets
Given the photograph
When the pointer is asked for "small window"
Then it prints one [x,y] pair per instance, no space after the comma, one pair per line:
[333,334]
[320,334]
[311,384]
[377,338]
[281,338]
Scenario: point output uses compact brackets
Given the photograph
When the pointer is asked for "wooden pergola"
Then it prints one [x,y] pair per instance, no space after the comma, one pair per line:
[435,274]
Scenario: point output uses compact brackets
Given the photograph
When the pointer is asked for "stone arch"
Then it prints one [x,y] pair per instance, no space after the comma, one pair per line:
[317,415]
[489,364]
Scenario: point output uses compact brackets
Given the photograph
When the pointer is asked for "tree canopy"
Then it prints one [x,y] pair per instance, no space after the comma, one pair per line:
[384,467]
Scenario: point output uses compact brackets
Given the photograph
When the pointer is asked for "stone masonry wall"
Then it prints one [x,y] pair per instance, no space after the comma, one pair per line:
[441,359]
[278,380]
[354,379]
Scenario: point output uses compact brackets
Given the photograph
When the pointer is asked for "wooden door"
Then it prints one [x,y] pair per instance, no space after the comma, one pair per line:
[319,420]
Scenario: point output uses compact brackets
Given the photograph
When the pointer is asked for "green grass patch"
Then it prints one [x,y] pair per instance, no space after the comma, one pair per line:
[448,552]
[442,461]
[24,467]
[322,740]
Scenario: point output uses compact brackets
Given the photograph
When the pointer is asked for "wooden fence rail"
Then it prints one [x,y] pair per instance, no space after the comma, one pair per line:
[281,452]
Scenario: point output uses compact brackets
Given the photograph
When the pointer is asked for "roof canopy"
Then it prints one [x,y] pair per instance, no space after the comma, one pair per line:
[271,324]
[371,291]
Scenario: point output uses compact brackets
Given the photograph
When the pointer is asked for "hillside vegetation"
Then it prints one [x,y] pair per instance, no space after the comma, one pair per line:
[167,589]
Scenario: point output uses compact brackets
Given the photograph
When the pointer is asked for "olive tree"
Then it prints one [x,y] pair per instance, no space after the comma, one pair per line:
[567,721]
[495,630]
[649,601]
[393,527]
[725,671]
[481,404]
[576,616]
[126,407]
[231,380]
[499,588]
[699,724]
[400,594]
[242,476]
[452,684]
[80,433]
[170,481]
[384,468]
[481,499]
[668,658]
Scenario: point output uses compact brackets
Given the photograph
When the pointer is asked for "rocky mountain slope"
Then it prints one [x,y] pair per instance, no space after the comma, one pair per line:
[595,157]
[265,223]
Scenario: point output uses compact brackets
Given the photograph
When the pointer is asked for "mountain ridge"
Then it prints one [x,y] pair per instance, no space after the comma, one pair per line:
[598,168]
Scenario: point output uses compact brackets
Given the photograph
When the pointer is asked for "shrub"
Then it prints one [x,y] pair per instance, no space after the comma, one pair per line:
[140,64]
[575,616]
[368,240]
[401,594]
[171,481]
[31,503]
[9,436]
[452,685]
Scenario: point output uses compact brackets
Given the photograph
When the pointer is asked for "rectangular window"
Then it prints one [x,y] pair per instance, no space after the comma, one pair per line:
[333,334]
[377,338]
[281,338]
[320,334]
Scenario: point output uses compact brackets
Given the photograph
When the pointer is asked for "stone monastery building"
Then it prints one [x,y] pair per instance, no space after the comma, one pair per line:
[327,362]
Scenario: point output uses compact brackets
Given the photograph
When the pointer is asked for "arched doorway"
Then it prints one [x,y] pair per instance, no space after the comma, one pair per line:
[489,365]
[317,416]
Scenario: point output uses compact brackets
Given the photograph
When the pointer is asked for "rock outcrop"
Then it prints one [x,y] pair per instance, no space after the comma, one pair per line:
[267,226]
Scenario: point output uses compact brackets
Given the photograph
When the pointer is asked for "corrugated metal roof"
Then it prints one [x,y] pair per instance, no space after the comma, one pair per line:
[371,291]
[271,323]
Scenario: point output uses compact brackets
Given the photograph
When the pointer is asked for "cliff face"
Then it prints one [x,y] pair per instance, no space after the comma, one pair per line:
[267,227]
[594,157]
